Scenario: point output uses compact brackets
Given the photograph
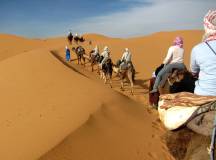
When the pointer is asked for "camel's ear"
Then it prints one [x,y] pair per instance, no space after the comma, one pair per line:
[174,74]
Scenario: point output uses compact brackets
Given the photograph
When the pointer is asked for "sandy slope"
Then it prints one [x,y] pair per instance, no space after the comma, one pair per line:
[43,101]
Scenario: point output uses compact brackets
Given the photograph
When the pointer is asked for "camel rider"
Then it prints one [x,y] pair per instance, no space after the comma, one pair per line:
[106,55]
[76,35]
[126,58]
[174,59]
[95,51]
[70,34]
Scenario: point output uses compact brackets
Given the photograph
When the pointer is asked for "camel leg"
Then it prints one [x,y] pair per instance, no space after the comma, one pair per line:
[132,85]
[81,61]
[105,78]
[110,81]
[92,68]
[122,84]
[101,74]
[77,60]
[98,69]
[84,61]
[130,77]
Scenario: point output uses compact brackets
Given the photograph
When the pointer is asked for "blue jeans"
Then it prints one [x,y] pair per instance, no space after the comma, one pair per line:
[165,72]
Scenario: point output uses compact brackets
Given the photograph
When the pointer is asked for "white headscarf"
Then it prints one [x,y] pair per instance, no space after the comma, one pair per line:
[96,50]
[66,47]
[106,48]
[126,50]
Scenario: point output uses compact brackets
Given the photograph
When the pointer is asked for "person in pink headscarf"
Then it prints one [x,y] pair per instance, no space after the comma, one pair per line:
[174,59]
[203,58]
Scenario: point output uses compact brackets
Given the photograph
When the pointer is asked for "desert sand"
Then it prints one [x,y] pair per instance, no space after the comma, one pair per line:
[50,111]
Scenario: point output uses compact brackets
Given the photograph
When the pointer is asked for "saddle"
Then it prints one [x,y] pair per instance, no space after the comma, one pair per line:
[80,49]
[124,66]
[107,66]
[100,59]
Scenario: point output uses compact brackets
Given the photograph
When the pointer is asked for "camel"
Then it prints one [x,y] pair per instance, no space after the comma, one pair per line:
[80,51]
[128,72]
[78,39]
[106,71]
[178,81]
[201,123]
[70,38]
[94,60]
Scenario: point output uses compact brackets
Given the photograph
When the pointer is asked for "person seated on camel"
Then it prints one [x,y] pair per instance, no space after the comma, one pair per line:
[126,59]
[76,35]
[95,51]
[174,59]
[203,58]
[105,56]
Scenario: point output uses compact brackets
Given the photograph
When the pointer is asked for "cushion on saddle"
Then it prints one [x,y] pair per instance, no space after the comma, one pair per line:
[177,109]
[124,66]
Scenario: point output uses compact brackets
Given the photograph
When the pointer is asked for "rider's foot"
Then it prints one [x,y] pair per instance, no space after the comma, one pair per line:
[153,91]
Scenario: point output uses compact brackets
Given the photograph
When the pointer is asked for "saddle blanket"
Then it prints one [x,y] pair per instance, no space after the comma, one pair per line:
[175,110]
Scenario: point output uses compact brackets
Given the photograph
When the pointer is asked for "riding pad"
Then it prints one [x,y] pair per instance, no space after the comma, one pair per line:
[176,110]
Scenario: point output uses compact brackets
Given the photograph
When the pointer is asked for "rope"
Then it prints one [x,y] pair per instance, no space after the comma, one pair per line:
[212,146]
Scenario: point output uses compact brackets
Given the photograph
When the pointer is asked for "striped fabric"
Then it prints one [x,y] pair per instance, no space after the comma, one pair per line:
[185,99]
[210,26]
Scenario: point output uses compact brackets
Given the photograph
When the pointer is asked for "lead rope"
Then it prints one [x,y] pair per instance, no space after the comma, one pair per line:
[212,146]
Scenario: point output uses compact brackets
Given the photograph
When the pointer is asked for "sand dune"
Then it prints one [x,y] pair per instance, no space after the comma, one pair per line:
[47,106]
[11,45]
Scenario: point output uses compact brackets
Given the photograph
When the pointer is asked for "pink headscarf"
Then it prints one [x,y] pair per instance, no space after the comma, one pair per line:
[178,42]
[210,26]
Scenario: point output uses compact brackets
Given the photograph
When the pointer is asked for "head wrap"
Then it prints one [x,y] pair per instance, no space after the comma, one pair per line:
[178,42]
[66,47]
[106,48]
[126,50]
[96,49]
[210,26]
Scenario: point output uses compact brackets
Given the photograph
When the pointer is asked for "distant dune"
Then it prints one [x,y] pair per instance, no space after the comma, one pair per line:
[51,112]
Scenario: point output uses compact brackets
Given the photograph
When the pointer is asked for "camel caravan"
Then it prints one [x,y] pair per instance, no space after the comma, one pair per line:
[105,67]
[183,97]
[75,37]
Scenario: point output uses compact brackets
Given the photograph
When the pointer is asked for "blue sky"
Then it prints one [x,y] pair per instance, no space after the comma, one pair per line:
[117,18]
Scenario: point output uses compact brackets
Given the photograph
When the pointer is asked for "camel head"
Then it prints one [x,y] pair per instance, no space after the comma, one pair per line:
[176,76]
[116,69]
[73,49]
